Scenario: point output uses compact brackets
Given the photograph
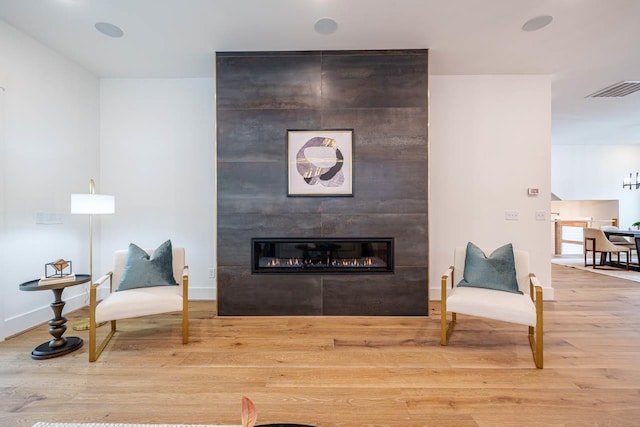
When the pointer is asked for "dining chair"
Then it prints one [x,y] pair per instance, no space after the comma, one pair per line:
[620,240]
[596,241]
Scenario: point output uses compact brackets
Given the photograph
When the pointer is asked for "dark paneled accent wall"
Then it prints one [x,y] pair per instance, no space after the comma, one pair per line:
[382,96]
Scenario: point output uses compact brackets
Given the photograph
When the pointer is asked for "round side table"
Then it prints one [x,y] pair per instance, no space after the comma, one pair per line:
[59,345]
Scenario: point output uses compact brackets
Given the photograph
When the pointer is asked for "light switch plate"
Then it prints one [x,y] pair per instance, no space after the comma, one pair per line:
[512,215]
[541,215]
[48,218]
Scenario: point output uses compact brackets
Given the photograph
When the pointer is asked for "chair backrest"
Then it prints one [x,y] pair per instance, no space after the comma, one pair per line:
[614,239]
[520,257]
[602,243]
[121,258]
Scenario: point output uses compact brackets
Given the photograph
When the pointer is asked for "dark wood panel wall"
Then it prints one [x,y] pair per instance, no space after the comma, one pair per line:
[382,96]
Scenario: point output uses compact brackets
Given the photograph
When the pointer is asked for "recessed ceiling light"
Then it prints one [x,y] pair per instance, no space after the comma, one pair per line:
[109,29]
[326,26]
[534,24]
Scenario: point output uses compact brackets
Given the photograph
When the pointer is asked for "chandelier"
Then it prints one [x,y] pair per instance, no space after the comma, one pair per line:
[631,182]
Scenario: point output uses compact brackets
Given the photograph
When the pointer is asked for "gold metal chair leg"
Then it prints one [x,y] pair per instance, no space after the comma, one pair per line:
[94,352]
[92,323]
[450,327]
[185,309]
[537,341]
[445,328]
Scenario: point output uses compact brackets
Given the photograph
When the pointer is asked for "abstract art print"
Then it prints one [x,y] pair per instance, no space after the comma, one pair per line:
[320,162]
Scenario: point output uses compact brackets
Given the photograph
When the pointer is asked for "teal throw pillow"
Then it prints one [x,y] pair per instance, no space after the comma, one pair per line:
[498,271]
[142,270]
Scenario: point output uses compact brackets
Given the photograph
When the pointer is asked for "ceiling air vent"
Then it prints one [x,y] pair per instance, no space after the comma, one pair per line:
[617,90]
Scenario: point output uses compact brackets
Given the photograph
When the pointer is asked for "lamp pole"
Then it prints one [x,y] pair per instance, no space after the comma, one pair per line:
[92,190]
[90,204]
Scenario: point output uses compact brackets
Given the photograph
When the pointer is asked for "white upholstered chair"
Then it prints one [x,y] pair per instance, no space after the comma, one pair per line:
[138,302]
[524,309]
[596,241]
[619,240]
[616,240]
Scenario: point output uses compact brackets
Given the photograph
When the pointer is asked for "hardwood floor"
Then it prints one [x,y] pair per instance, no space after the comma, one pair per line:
[346,371]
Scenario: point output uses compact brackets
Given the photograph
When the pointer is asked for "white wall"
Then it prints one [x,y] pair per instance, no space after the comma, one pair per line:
[489,140]
[158,160]
[595,172]
[151,143]
[157,145]
[3,190]
[51,149]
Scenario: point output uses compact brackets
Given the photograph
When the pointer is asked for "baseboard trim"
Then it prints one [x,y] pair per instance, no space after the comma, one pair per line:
[38,317]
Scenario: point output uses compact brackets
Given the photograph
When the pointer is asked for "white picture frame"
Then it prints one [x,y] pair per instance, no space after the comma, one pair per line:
[320,162]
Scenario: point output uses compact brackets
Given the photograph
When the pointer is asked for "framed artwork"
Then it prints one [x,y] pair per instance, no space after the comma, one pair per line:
[320,162]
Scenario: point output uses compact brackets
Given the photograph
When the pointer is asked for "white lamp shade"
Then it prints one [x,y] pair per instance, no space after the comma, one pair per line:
[92,204]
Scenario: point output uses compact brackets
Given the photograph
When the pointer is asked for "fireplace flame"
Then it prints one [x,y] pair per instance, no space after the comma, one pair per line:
[297,262]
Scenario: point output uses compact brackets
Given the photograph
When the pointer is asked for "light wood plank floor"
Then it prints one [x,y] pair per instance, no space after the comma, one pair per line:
[346,371]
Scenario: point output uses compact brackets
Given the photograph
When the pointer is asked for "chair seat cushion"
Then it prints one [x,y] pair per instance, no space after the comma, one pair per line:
[139,302]
[492,304]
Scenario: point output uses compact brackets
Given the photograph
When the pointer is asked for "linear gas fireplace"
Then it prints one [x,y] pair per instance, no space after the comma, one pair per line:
[321,255]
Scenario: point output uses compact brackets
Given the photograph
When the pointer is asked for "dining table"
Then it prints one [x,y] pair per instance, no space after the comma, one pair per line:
[635,235]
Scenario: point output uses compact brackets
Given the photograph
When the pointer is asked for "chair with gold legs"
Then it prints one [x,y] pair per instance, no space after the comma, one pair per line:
[136,288]
[489,287]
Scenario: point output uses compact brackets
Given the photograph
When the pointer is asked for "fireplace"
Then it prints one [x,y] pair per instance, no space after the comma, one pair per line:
[321,255]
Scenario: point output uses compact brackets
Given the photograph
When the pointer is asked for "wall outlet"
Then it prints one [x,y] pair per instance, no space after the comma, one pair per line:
[511,215]
[212,273]
[541,215]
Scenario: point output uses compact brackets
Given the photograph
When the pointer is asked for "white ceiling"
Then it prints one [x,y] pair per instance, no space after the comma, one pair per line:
[589,45]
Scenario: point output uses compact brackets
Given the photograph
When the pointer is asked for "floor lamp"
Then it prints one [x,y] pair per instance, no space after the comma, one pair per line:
[91,204]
